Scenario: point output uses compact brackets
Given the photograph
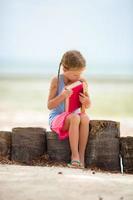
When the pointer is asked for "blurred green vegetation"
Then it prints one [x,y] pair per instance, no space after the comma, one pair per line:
[109,98]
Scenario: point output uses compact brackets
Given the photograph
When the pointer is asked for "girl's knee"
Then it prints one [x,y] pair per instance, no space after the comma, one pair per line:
[74,118]
[84,118]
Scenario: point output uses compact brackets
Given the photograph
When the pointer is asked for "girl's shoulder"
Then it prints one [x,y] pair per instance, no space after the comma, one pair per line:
[54,82]
[54,79]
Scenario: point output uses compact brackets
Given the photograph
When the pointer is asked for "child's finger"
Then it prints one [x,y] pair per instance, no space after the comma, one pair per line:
[81,94]
[82,100]
[67,92]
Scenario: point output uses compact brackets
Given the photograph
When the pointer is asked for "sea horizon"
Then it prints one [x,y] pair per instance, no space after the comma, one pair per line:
[47,70]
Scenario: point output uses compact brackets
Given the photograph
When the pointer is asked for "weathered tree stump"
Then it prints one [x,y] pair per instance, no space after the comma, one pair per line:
[58,150]
[5,143]
[126,150]
[102,149]
[28,143]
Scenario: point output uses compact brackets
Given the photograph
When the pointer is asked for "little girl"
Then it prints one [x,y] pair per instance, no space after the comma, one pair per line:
[74,125]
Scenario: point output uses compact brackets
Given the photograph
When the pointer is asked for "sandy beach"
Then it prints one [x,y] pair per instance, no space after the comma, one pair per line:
[29,183]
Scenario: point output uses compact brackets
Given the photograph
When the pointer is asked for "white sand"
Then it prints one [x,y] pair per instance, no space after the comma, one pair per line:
[29,183]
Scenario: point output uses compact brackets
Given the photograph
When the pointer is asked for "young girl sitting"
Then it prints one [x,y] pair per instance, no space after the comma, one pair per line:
[74,125]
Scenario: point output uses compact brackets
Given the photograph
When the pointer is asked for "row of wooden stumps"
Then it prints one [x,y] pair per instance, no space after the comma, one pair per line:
[105,149]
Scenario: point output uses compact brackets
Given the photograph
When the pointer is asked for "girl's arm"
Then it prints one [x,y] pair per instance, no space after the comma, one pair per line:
[53,100]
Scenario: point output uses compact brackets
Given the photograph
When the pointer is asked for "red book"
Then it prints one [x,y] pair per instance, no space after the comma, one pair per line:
[72,102]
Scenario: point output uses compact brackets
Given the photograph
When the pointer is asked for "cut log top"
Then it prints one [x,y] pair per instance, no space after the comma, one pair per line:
[5,143]
[104,128]
[29,129]
[28,136]
[127,139]
[5,136]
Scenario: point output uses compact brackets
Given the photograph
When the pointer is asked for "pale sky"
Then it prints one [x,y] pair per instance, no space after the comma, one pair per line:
[42,30]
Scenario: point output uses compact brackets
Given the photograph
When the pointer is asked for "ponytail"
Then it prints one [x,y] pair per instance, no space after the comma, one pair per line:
[58,77]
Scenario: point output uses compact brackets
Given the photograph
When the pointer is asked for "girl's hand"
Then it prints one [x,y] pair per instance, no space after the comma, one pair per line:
[85,100]
[66,93]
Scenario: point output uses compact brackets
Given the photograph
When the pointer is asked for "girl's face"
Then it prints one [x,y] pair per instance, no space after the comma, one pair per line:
[73,74]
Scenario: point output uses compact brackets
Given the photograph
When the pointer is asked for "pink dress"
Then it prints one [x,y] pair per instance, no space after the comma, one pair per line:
[58,124]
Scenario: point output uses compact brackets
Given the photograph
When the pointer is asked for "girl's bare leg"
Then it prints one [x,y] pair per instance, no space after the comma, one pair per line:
[72,124]
[83,136]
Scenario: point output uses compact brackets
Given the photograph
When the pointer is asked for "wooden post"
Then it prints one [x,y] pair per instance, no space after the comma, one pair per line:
[102,149]
[58,150]
[5,143]
[126,150]
[28,143]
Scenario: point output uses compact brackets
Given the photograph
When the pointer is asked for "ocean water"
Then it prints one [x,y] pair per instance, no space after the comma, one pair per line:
[47,69]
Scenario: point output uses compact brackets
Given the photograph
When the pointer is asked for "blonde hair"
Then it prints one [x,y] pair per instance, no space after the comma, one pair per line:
[72,60]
